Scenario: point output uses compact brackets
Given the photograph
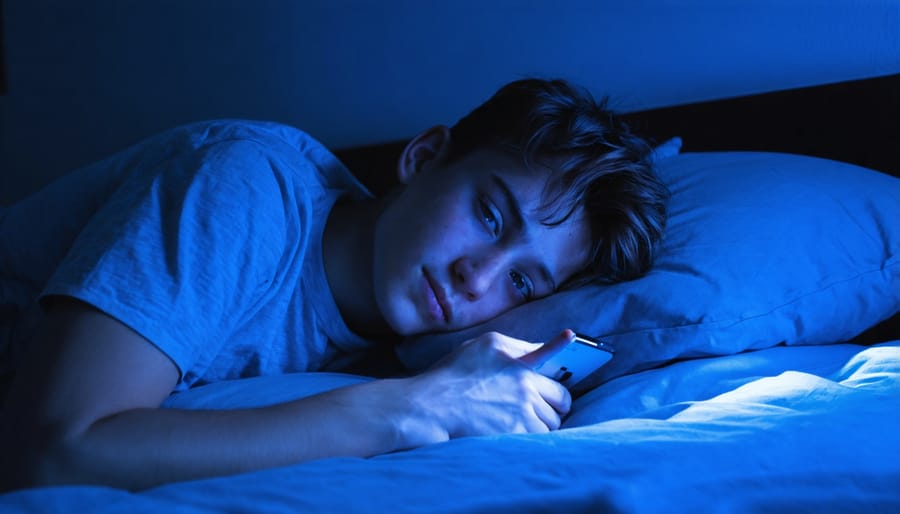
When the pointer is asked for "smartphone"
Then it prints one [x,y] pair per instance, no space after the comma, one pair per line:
[576,361]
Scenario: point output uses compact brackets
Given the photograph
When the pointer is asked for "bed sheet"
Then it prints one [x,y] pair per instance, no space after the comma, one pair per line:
[788,429]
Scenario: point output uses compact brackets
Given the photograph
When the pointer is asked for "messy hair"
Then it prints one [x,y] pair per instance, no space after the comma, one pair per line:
[595,163]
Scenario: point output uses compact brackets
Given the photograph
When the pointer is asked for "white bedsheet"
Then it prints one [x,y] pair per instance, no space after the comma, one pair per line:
[800,429]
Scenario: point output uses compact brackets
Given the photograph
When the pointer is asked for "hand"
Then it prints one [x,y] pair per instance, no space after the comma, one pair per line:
[488,386]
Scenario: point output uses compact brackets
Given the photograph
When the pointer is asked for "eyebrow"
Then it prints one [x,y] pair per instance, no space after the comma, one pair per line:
[512,203]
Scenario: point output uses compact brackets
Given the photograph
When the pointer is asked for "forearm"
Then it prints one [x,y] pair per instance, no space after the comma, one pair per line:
[140,448]
[86,411]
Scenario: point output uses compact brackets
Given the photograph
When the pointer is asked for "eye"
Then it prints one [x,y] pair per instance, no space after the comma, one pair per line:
[522,284]
[489,215]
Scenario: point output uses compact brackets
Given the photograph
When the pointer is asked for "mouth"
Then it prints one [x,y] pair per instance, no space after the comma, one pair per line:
[436,299]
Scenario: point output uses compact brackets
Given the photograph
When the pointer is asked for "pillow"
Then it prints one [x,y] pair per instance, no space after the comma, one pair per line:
[760,249]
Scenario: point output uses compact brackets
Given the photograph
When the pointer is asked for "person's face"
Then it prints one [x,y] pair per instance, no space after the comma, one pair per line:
[462,243]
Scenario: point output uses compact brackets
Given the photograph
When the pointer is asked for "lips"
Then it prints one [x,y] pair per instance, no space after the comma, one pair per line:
[436,299]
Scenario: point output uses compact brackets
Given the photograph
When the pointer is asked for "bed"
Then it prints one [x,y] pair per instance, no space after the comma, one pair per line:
[757,366]
[801,429]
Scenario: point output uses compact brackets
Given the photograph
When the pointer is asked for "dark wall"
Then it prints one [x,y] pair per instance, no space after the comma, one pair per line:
[88,78]
[2,54]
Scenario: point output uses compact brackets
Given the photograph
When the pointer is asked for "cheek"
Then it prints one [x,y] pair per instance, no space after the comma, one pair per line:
[499,300]
[439,222]
[404,235]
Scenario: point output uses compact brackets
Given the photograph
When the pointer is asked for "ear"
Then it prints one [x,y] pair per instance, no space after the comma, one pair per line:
[429,147]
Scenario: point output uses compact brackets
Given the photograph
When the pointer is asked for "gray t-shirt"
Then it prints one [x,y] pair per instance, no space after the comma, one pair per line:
[206,240]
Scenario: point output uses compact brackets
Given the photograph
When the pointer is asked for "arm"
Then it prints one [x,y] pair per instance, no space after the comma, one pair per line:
[86,410]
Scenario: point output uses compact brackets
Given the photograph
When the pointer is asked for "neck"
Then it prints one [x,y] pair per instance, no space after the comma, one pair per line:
[347,246]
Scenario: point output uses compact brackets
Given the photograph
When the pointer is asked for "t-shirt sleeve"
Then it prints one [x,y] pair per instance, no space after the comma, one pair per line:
[183,252]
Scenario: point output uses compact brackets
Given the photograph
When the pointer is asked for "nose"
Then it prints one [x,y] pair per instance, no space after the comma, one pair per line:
[474,276]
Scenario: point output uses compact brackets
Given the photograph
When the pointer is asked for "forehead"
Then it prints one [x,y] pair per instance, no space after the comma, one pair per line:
[484,166]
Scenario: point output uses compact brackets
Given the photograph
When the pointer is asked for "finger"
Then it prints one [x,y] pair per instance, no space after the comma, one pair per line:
[510,346]
[537,357]
[550,419]
[554,394]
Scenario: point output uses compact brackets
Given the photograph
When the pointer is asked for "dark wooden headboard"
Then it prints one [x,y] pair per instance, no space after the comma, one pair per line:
[856,121]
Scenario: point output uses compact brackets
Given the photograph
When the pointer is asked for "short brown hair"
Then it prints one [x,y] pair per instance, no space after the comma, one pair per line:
[597,163]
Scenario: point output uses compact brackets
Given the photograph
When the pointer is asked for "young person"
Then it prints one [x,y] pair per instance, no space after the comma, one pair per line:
[232,249]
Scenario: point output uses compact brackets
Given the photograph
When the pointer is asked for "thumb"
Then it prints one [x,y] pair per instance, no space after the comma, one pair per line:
[548,349]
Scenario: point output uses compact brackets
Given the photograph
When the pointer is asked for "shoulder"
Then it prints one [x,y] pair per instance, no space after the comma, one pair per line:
[275,136]
[237,159]
[241,165]
[246,149]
